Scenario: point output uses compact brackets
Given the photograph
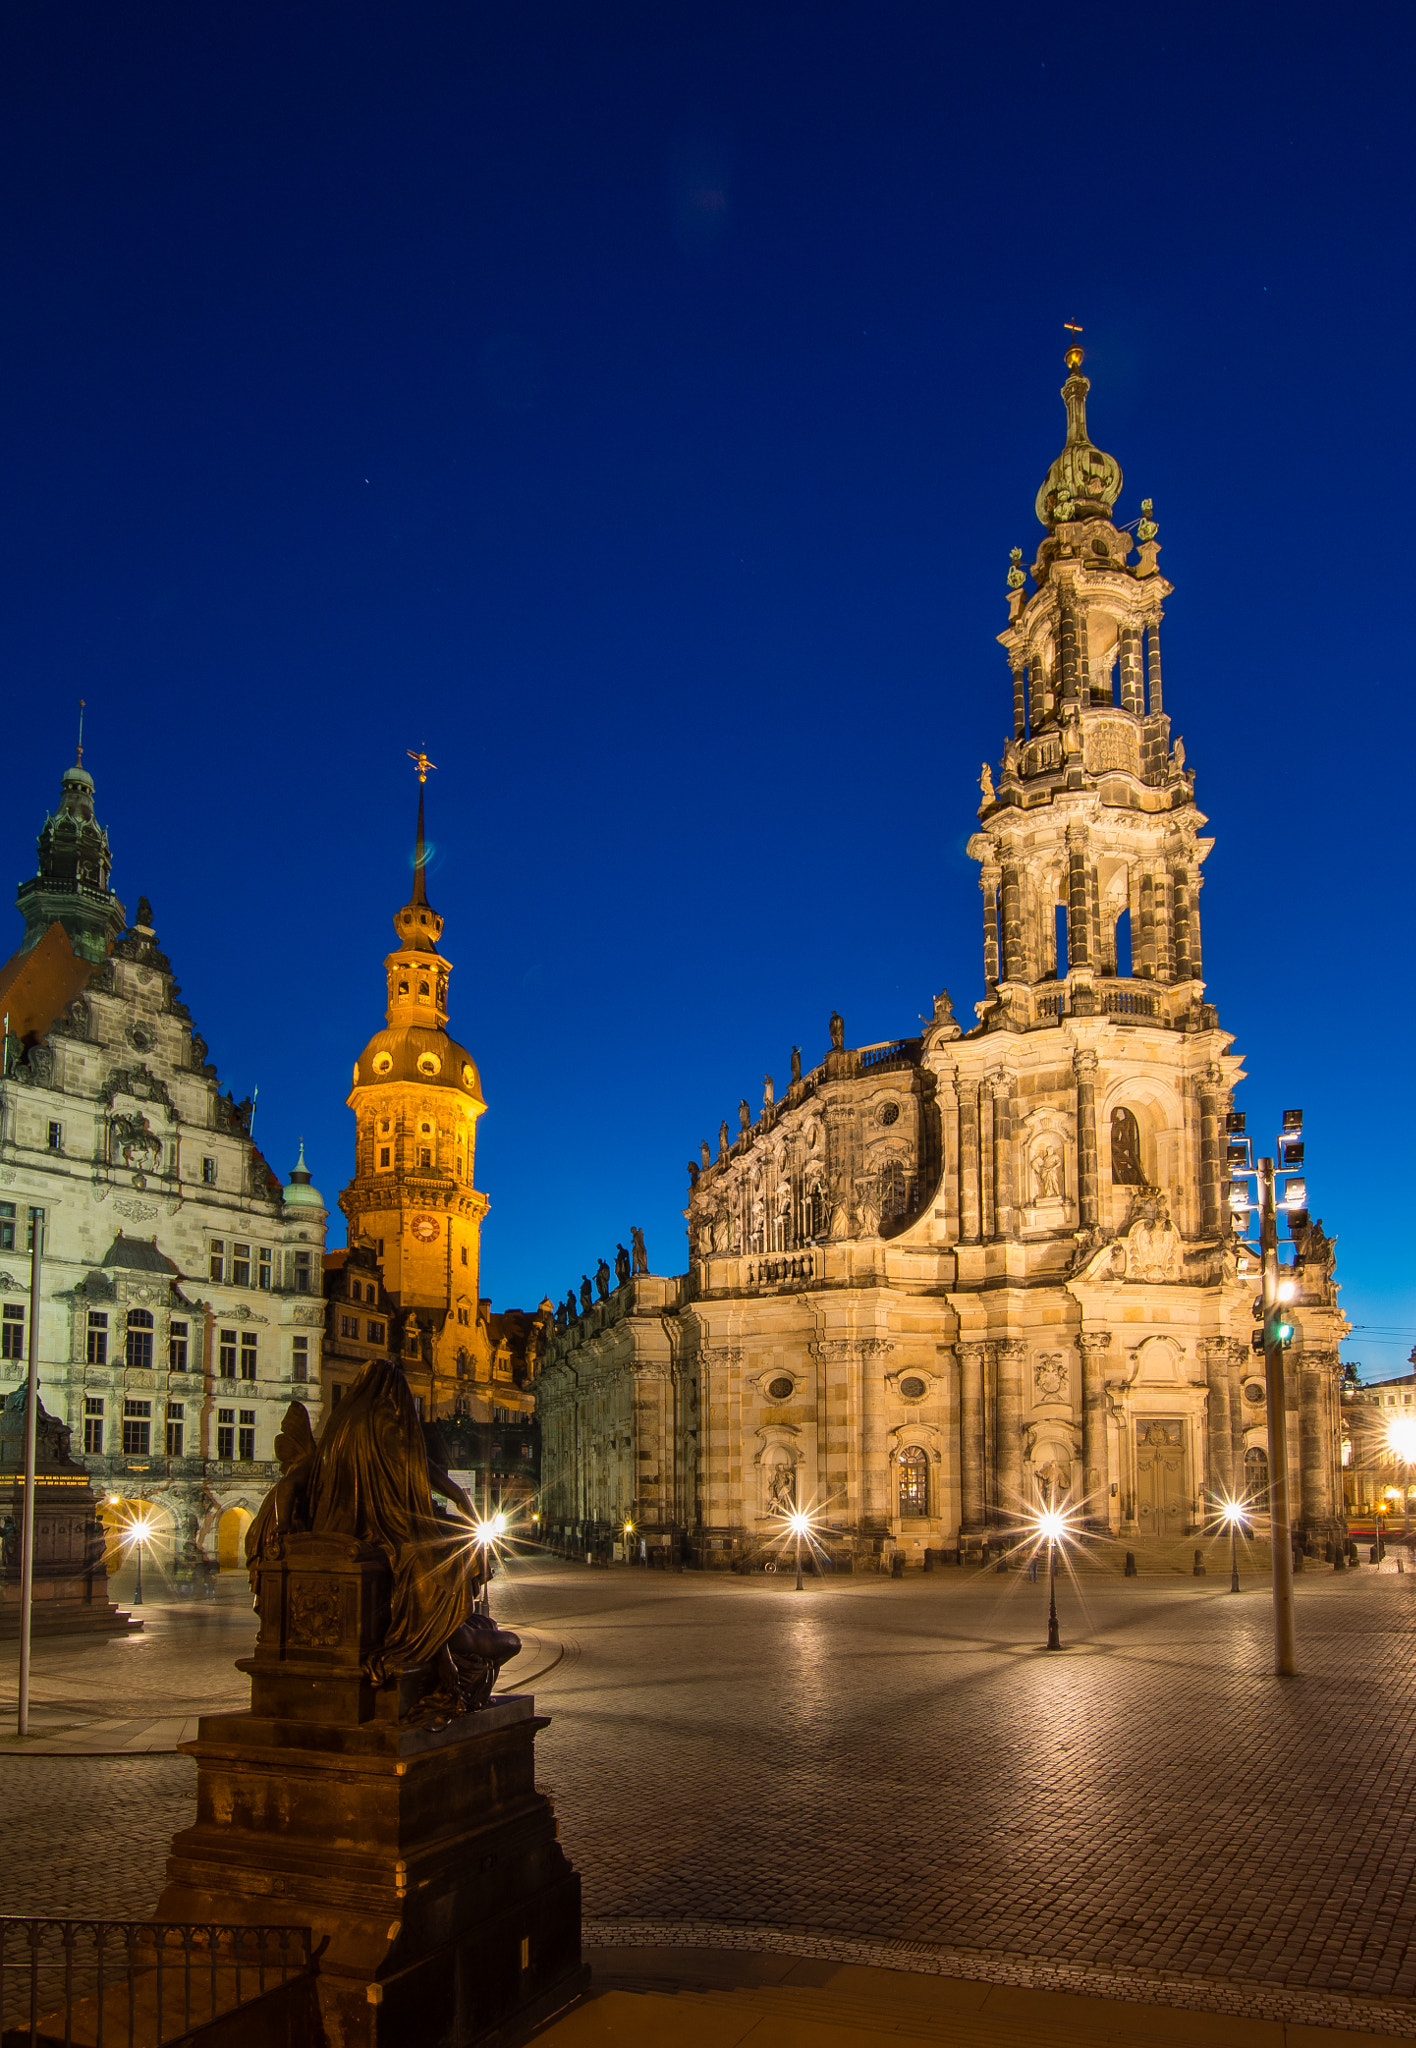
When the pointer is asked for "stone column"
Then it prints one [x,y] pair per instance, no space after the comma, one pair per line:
[971,1514]
[1164,934]
[1094,1501]
[1069,660]
[1002,1090]
[1212,1205]
[1219,1447]
[1019,668]
[988,882]
[1315,1509]
[1180,919]
[1143,948]
[1157,698]
[1010,908]
[1088,1169]
[970,1221]
[1008,1428]
[1133,689]
[1079,921]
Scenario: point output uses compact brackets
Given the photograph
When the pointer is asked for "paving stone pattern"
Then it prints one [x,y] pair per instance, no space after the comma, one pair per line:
[901,1762]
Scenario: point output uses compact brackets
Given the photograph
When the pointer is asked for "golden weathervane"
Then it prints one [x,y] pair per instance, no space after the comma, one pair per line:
[422,763]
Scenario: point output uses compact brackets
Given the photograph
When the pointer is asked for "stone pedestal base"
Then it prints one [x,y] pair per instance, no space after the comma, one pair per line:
[424,1861]
[70,1576]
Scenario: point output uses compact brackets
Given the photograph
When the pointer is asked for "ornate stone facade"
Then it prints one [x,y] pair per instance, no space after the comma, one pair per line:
[180,1289]
[938,1276]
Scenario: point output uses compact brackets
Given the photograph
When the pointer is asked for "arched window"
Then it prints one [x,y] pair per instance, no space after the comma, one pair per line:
[1126,1170]
[914,1481]
[1256,1479]
[892,1189]
[1123,943]
[139,1344]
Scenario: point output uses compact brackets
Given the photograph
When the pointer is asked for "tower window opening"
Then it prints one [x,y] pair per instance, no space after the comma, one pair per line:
[1059,927]
[403,988]
[422,988]
[425,1157]
[464,1255]
[1123,943]
[384,1159]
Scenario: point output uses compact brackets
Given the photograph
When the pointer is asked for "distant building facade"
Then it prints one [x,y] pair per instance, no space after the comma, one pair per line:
[407,1287]
[180,1291]
[940,1279]
[1379,1446]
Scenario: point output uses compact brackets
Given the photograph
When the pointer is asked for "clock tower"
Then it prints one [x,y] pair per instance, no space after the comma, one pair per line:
[416,1099]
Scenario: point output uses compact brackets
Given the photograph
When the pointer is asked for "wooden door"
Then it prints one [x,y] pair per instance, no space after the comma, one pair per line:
[1160,1479]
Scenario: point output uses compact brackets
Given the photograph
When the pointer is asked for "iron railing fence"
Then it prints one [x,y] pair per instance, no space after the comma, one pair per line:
[121,1983]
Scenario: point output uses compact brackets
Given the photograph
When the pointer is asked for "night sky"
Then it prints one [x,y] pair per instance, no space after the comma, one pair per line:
[636,406]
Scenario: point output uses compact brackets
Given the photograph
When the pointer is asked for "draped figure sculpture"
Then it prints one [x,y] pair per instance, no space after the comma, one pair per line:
[369,1479]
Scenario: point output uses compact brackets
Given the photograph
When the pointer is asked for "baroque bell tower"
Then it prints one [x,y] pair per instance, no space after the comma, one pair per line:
[416,1098]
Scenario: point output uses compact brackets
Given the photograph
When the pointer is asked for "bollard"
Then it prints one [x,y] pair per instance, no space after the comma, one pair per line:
[1131,1572]
[897,1565]
[1199,1570]
[1339,1557]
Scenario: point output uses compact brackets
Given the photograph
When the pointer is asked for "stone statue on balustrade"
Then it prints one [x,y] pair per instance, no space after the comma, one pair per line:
[641,1257]
[587,1294]
[744,1116]
[796,1063]
[571,1307]
[622,1265]
[838,1032]
[365,1488]
[602,1281]
[723,1139]
[705,1156]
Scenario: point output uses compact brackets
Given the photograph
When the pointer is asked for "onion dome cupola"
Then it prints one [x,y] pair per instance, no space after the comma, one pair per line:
[302,1192]
[1083,482]
[72,885]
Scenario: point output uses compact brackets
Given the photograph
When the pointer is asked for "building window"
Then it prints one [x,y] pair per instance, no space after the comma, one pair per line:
[240,1265]
[177,1348]
[302,1272]
[12,1331]
[137,1429]
[892,1189]
[914,1482]
[175,1413]
[93,1425]
[425,1158]
[226,1354]
[97,1351]
[1256,1494]
[226,1432]
[380,1250]
[348,1326]
[376,1333]
[247,1445]
[263,1272]
[56,1137]
[138,1349]
[248,1354]
[217,1265]
[300,1359]
[385,1156]
[7,1226]
[464,1255]
[209,1172]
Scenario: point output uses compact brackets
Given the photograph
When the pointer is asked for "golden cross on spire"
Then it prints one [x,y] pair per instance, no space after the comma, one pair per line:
[422,763]
[1073,356]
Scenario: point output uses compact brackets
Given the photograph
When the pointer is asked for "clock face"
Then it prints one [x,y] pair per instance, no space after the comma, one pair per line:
[424,1228]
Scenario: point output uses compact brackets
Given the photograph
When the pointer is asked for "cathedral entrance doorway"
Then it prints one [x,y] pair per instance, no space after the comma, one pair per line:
[1161,1493]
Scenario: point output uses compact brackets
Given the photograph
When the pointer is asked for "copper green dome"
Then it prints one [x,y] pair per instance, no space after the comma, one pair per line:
[302,1192]
[1083,483]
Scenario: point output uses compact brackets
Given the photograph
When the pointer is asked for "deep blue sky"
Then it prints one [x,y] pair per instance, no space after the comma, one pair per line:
[637,405]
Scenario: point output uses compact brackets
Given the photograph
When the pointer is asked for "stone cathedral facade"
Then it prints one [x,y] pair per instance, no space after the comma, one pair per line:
[945,1276]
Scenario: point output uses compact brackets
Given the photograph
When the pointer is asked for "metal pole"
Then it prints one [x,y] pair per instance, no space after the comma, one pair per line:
[799,1586]
[138,1594]
[1234,1556]
[1054,1639]
[31,1432]
[1280,1521]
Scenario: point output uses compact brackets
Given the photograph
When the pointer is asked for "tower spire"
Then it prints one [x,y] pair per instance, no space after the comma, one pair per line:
[420,860]
[80,760]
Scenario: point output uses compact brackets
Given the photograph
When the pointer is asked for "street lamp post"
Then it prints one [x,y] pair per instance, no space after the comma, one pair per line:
[139,1536]
[1277,1333]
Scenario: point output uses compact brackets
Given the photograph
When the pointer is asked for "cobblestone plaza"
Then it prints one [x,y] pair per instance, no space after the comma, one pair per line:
[884,1762]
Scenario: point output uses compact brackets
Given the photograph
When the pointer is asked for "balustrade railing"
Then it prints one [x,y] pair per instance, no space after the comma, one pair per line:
[771,1272]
